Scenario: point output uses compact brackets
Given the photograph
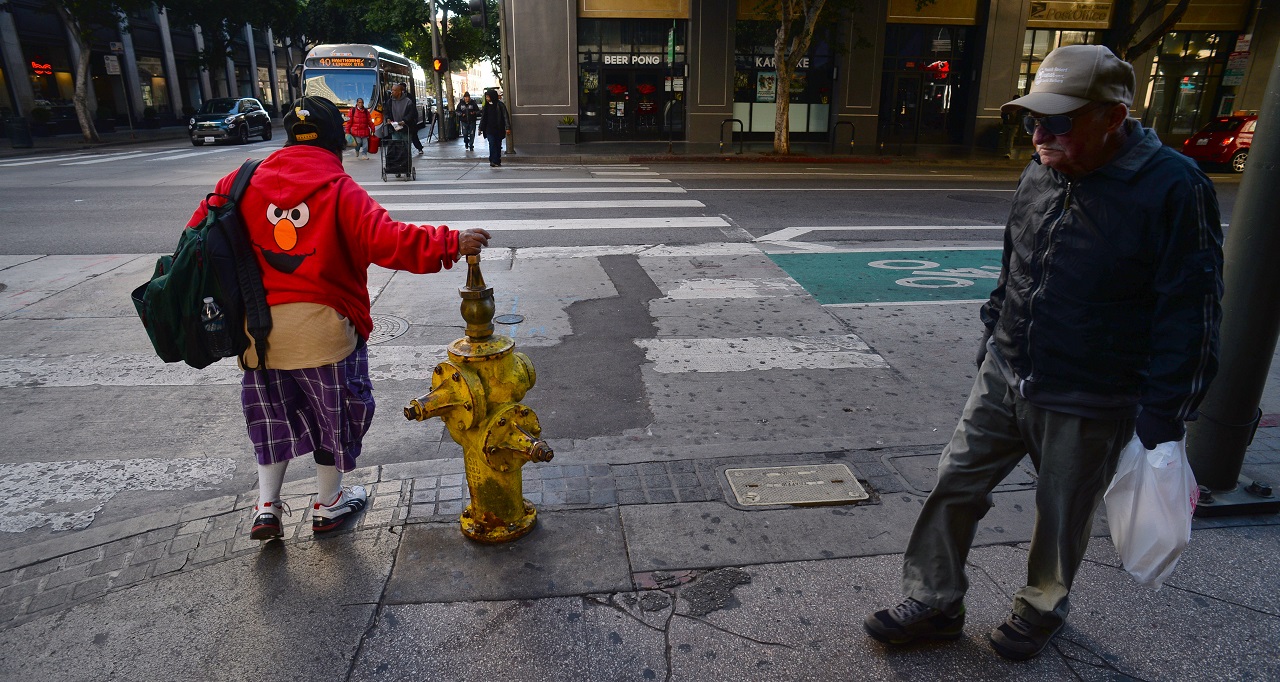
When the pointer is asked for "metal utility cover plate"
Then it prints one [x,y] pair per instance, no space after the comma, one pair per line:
[387,327]
[805,484]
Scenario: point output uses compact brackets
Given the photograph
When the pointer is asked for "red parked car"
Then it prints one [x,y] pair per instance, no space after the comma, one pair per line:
[1224,140]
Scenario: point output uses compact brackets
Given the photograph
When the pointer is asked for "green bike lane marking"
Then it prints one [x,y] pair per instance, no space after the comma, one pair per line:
[895,276]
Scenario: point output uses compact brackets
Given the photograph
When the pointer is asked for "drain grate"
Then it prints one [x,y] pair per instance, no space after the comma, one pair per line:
[387,327]
[805,484]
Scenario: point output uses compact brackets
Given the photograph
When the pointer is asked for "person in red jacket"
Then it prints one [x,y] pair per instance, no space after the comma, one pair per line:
[315,232]
[360,127]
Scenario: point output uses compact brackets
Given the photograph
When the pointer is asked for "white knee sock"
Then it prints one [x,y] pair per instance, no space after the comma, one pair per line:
[270,480]
[328,484]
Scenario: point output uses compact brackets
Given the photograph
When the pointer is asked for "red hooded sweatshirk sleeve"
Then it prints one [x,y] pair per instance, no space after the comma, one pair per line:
[316,231]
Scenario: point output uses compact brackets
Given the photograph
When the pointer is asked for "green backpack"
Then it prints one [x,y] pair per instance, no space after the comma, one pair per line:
[213,259]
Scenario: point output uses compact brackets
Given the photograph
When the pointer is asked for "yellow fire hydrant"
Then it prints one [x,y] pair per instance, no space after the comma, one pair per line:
[477,392]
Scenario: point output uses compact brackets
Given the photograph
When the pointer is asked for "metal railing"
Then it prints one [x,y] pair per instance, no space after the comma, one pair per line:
[741,129]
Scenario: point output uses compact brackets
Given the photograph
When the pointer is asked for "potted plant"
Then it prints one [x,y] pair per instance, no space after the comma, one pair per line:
[568,130]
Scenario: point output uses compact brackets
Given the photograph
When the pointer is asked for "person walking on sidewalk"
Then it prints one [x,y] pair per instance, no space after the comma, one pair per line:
[468,113]
[360,127]
[316,231]
[494,123]
[402,116]
[1104,320]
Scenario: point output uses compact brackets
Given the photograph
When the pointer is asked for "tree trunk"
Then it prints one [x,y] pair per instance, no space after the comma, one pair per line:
[81,96]
[782,91]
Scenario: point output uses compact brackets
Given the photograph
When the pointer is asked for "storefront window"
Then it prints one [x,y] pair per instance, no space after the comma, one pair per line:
[755,82]
[155,90]
[923,94]
[1040,42]
[1186,71]
[631,78]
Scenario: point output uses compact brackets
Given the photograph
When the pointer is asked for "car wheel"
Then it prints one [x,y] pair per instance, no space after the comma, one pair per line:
[198,143]
[266,132]
[244,134]
[1238,159]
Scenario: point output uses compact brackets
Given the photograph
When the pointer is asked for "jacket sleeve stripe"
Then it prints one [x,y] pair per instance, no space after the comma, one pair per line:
[1208,324]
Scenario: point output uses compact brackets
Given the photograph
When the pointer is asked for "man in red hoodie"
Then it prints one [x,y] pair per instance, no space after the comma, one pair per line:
[315,232]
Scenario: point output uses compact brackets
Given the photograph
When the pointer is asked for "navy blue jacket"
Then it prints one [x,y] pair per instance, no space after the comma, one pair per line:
[1110,287]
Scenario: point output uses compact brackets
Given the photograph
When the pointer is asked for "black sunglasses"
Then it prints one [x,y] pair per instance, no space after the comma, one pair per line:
[1059,124]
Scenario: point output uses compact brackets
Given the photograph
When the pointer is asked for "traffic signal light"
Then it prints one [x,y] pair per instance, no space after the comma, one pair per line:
[479,13]
[440,65]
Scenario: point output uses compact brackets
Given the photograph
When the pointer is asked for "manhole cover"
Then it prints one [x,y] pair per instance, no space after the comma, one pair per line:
[806,484]
[509,319]
[387,327]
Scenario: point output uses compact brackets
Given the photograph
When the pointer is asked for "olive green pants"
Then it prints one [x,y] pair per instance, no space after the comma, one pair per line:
[1075,458]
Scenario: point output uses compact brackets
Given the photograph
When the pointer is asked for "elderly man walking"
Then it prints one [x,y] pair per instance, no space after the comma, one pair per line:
[1104,321]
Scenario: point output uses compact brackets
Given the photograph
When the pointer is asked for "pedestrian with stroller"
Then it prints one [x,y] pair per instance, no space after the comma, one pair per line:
[360,127]
[468,114]
[402,116]
[315,232]
[1104,322]
[494,125]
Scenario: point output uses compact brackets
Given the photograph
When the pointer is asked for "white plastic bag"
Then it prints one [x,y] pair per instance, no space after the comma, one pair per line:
[1149,506]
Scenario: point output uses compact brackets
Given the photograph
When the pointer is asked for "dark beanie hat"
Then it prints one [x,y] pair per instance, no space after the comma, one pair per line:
[315,121]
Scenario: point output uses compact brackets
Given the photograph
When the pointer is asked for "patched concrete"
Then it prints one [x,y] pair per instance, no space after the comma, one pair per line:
[567,552]
[293,611]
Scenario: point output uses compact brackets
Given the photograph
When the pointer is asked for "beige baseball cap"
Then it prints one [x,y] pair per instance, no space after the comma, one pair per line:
[1075,75]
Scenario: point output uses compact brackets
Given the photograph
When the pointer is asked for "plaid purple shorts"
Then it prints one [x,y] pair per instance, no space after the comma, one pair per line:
[295,412]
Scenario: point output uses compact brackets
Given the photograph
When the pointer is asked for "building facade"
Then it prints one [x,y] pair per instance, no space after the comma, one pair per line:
[148,72]
[905,79]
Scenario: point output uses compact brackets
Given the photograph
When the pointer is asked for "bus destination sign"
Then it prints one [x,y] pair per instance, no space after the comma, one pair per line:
[342,62]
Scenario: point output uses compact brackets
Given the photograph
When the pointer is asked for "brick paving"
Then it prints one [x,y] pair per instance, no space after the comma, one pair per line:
[54,584]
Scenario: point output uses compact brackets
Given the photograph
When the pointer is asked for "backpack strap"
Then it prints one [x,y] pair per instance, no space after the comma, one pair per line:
[256,311]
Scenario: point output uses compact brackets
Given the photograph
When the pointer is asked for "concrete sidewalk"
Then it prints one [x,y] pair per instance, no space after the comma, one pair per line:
[637,571]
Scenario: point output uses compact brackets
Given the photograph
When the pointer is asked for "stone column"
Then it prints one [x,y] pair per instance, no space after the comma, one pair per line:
[206,88]
[129,69]
[1006,23]
[709,86]
[253,62]
[543,71]
[15,65]
[271,72]
[170,64]
[860,69]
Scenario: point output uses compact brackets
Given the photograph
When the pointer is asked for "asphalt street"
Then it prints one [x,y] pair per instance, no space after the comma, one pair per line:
[572,253]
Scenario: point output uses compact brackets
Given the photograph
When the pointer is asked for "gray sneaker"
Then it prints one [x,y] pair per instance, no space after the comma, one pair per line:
[1018,639]
[912,620]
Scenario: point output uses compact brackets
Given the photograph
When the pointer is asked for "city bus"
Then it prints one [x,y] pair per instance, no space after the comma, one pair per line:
[344,73]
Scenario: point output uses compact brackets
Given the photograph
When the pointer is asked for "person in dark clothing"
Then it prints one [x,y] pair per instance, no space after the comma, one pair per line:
[494,124]
[468,113]
[1103,323]
[402,110]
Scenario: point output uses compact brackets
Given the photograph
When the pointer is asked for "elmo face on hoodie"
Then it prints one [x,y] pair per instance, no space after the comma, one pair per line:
[285,255]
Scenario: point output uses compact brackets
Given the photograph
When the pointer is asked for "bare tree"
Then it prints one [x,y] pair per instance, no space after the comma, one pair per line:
[1128,19]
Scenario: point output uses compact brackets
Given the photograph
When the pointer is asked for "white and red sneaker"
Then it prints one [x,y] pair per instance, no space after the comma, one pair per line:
[325,518]
[268,521]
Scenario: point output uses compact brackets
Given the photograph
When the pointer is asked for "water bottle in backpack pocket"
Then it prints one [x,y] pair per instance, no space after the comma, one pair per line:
[217,339]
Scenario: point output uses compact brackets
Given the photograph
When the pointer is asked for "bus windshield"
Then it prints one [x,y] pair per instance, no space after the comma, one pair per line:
[342,86]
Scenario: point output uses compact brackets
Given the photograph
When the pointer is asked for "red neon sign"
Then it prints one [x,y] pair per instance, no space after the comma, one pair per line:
[42,69]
